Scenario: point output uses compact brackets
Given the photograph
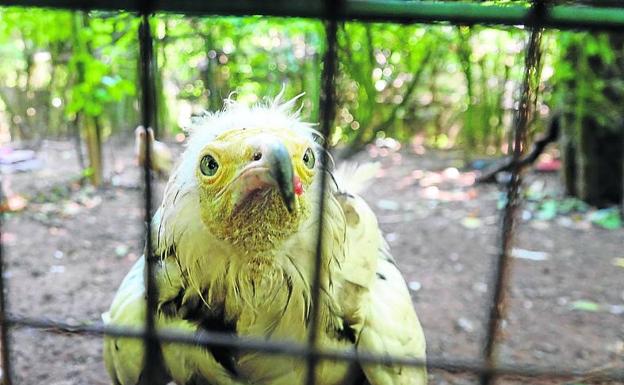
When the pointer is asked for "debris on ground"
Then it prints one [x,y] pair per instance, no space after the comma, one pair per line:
[529,254]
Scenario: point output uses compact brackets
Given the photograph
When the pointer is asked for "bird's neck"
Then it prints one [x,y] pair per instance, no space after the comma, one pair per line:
[264,235]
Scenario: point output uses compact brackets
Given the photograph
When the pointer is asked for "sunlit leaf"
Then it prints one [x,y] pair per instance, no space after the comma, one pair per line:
[607,218]
[585,305]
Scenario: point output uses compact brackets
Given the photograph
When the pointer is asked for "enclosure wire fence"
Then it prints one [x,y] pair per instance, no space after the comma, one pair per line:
[486,368]
[148,97]
[500,279]
[565,15]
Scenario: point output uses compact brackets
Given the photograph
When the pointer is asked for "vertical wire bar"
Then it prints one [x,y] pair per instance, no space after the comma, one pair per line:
[4,326]
[503,265]
[327,104]
[150,340]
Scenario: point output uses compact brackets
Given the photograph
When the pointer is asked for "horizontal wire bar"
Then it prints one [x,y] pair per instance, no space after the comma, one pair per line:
[559,16]
[206,339]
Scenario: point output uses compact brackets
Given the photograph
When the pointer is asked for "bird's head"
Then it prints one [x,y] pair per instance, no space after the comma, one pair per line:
[253,184]
[253,172]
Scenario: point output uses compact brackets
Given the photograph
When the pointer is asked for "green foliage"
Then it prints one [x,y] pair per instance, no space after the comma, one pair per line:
[454,86]
[206,60]
[582,90]
[96,61]
[378,79]
[73,63]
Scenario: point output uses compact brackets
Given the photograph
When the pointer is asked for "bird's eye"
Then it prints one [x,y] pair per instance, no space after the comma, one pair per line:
[308,158]
[208,165]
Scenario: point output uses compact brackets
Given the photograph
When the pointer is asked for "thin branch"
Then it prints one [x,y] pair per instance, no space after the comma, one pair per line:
[489,176]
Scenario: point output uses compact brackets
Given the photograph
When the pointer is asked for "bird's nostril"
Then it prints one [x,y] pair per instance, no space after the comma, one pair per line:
[257,155]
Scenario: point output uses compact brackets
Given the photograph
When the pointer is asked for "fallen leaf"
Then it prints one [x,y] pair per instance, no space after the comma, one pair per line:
[8,238]
[569,205]
[14,203]
[535,192]
[121,251]
[529,254]
[480,287]
[619,262]
[451,173]
[565,222]
[464,324]
[526,215]
[471,223]
[607,218]
[585,305]
[616,309]
[392,237]
[71,209]
[540,225]
[57,269]
[547,210]
[414,286]
[548,165]
[387,204]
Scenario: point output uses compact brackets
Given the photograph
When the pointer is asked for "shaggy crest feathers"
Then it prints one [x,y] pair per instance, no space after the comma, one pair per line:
[273,113]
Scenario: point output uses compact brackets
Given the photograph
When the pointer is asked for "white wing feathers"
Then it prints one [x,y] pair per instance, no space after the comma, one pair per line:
[373,294]
[392,328]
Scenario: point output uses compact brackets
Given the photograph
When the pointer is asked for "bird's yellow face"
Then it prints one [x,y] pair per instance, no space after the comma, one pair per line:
[254,186]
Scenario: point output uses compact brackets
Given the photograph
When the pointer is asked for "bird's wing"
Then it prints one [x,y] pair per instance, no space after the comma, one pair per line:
[391,328]
[123,357]
[362,239]
[373,295]
[357,269]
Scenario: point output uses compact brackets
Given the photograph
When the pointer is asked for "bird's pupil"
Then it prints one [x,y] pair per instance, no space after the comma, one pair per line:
[308,158]
[209,165]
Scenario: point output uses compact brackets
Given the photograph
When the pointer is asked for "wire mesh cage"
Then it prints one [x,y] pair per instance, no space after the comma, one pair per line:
[534,18]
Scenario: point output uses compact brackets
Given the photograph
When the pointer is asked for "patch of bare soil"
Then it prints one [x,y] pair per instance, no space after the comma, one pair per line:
[68,251]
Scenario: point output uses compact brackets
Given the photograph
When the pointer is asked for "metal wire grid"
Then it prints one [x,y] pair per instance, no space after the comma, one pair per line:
[404,11]
[535,18]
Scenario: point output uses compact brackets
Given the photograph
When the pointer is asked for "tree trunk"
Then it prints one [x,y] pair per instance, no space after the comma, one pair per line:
[94,146]
[463,53]
[593,134]
[568,154]
[75,125]
[600,164]
[91,124]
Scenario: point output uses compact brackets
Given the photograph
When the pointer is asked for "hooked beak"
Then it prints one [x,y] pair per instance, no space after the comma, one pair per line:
[271,167]
[281,169]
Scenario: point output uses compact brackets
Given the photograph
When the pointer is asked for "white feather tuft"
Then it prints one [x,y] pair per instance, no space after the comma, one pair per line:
[354,178]
[273,113]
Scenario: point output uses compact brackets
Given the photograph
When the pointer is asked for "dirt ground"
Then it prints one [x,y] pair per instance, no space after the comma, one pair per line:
[67,252]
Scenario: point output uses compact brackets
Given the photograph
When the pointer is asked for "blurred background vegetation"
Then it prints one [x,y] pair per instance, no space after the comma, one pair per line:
[74,76]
